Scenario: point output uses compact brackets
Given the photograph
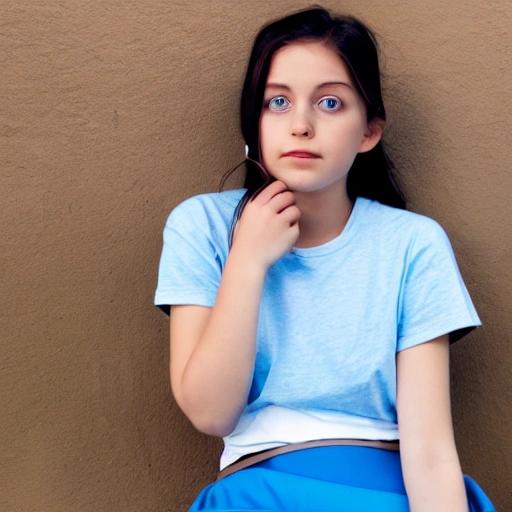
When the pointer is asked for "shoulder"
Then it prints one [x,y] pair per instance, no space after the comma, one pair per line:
[219,201]
[404,225]
[214,208]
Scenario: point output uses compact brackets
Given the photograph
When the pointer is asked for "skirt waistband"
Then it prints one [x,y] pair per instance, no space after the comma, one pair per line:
[252,459]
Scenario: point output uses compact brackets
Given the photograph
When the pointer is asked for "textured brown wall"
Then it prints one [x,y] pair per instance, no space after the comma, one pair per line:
[112,114]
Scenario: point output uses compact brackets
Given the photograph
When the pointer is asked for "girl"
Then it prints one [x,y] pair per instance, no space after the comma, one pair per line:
[311,314]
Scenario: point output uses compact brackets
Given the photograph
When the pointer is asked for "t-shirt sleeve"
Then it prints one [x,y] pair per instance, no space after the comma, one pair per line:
[434,299]
[190,267]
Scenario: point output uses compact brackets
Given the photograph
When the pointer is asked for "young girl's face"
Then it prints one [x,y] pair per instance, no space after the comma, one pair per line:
[313,122]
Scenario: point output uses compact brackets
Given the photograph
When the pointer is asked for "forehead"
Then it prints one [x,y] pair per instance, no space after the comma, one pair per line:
[307,61]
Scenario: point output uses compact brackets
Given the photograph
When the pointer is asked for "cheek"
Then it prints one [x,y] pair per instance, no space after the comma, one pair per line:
[349,135]
[267,135]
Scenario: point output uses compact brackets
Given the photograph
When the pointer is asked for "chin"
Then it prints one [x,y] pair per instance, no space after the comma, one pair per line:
[315,187]
[305,188]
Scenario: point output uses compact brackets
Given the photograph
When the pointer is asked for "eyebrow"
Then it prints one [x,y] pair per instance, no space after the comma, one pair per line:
[275,85]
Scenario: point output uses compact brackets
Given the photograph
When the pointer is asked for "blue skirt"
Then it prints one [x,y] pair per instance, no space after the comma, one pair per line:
[331,478]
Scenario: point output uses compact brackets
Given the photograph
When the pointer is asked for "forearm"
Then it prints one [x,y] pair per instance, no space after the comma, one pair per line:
[217,378]
[213,358]
[435,486]
[430,464]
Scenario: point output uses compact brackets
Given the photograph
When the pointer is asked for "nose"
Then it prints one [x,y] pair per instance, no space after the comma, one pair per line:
[302,125]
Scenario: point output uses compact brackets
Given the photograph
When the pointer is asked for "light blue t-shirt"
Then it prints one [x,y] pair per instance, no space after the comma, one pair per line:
[332,317]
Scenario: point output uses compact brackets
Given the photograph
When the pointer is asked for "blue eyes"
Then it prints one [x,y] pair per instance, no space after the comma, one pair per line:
[330,103]
[280,104]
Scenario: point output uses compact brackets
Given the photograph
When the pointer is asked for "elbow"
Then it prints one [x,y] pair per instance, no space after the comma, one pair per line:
[212,426]
[206,420]
[213,417]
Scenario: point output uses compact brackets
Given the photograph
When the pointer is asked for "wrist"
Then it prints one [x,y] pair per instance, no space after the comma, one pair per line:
[246,264]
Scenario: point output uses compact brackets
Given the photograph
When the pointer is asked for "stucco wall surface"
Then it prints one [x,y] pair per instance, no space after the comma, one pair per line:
[111,114]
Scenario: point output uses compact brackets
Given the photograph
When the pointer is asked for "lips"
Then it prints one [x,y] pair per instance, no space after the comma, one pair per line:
[301,154]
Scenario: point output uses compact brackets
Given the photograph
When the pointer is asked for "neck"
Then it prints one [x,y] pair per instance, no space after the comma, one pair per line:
[324,215]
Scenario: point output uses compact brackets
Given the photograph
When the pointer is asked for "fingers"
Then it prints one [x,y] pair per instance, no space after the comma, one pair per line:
[276,187]
[276,195]
[282,201]
[291,214]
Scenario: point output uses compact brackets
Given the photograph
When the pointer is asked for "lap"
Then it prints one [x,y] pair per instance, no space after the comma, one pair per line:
[328,479]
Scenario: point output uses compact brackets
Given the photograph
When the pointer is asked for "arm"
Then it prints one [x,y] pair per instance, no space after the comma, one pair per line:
[431,468]
[213,349]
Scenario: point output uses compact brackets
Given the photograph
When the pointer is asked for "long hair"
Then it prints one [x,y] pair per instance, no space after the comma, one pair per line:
[371,174]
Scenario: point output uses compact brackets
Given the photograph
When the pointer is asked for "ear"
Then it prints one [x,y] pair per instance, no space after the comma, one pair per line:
[372,135]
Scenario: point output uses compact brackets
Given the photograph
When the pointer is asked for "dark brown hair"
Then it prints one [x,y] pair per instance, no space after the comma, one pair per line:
[371,174]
